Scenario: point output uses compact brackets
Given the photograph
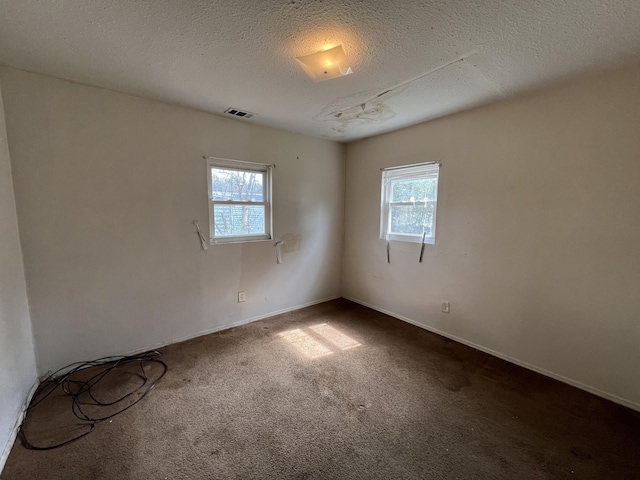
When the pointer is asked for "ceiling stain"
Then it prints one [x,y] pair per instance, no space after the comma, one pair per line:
[369,106]
[374,109]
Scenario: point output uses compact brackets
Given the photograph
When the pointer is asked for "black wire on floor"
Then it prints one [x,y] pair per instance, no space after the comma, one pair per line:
[82,391]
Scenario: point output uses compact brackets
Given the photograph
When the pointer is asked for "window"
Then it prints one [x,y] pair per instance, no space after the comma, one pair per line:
[409,200]
[239,201]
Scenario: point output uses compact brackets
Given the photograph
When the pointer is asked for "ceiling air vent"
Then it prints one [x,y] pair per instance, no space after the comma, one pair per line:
[239,113]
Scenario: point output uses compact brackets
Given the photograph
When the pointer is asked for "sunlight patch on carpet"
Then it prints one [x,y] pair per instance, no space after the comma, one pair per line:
[335,336]
[319,340]
[306,344]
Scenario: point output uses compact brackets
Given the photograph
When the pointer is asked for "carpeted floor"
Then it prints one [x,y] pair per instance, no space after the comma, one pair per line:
[338,391]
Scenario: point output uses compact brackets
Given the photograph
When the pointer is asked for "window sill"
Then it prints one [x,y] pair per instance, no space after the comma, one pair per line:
[239,240]
[410,239]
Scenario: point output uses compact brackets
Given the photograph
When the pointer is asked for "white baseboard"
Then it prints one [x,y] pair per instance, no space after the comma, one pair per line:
[235,324]
[561,378]
[16,427]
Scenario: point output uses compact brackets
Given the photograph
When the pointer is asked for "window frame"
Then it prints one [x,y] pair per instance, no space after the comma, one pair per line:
[403,172]
[242,166]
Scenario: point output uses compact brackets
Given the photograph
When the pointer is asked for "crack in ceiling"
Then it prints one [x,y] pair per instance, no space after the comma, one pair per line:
[374,108]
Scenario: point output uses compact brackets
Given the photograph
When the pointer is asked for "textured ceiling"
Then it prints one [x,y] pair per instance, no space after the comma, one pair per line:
[412,60]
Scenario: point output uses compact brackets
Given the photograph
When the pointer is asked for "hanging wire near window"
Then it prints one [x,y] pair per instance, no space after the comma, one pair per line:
[278,246]
[388,253]
[203,241]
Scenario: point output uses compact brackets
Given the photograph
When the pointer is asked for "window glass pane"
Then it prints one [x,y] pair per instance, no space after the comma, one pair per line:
[412,219]
[234,220]
[414,190]
[237,185]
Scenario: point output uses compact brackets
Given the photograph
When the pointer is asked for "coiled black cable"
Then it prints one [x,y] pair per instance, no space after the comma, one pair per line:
[82,393]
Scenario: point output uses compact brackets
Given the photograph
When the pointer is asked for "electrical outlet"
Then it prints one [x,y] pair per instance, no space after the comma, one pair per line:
[446,307]
[242,296]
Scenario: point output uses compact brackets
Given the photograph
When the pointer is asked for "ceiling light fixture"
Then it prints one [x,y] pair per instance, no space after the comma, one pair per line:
[325,64]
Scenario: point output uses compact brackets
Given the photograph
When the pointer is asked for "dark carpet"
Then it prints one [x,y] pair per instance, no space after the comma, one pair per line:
[339,391]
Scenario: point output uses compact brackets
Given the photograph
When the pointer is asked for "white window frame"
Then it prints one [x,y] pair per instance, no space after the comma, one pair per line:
[267,170]
[404,172]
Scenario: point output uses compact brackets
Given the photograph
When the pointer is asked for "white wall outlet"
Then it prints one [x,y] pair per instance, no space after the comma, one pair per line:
[446,307]
[242,296]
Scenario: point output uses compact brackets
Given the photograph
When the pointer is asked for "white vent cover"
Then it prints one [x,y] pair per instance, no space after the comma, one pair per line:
[239,113]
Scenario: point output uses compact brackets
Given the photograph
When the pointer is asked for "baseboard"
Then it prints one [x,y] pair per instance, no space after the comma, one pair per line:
[547,373]
[234,324]
[16,427]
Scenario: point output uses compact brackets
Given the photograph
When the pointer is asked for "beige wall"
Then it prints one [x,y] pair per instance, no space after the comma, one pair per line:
[538,245]
[538,240]
[107,186]
[17,361]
